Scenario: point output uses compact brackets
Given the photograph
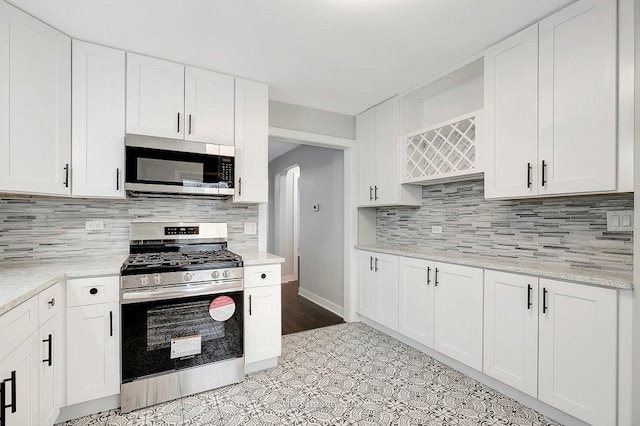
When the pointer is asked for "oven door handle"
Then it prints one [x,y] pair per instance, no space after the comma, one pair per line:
[177,292]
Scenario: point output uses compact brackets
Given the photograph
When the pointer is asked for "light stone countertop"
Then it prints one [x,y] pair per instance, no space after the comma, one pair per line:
[19,281]
[615,280]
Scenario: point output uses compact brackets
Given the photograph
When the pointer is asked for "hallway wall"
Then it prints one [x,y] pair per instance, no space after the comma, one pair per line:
[322,232]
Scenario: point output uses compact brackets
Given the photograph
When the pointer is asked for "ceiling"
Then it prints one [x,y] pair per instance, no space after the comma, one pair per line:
[337,55]
[278,148]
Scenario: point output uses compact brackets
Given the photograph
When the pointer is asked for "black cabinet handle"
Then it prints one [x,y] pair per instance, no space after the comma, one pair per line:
[528,175]
[111,323]
[118,179]
[52,302]
[93,291]
[544,173]
[178,122]
[428,275]
[371,193]
[376,265]
[189,123]
[371,263]
[529,302]
[263,276]
[436,280]
[3,398]
[66,175]
[544,301]
[50,341]
[375,191]
[249,304]
[239,186]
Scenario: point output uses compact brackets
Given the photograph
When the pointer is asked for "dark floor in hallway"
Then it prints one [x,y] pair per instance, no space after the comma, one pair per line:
[299,314]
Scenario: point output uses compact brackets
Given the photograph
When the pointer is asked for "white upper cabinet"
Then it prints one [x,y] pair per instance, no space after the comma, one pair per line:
[511,116]
[550,106]
[578,98]
[578,350]
[155,97]
[252,142]
[35,105]
[377,133]
[98,121]
[208,102]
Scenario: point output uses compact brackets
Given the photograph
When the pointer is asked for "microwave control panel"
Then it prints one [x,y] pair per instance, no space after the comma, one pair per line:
[226,171]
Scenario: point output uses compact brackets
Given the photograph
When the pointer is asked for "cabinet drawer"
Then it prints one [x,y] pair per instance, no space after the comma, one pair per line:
[261,275]
[91,291]
[18,324]
[50,302]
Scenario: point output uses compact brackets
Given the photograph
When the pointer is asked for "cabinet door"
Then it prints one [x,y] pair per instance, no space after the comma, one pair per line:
[155,97]
[511,330]
[208,104]
[366,147]
[93,352]
[51,355]
[35,105]
[387,174]
[459,304]
[263,328]
[416,306]
[368,286]
[511,116]
[252,142]
[386,270]
[578,98]
[578,346]
[19,371]
[98,121]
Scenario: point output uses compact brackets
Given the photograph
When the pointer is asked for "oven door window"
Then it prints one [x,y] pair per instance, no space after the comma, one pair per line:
[170,335]
[160,167]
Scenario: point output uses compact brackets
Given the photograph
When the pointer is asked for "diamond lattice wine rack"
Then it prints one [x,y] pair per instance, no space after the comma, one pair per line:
[446,151]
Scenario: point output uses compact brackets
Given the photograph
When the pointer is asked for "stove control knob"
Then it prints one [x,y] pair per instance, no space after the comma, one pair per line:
[188,277]
[215,275]
[144,280]
[157,279]
[226,274]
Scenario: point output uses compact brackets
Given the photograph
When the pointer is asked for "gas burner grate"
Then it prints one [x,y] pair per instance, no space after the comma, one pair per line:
[181,260]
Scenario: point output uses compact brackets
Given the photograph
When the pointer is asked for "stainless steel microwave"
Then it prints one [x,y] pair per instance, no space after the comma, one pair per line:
[173,166]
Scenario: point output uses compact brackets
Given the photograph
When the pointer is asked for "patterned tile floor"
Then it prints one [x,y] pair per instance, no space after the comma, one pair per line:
[348,374]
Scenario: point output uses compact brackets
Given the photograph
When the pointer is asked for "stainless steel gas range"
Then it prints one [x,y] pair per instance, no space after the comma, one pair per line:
[182,326]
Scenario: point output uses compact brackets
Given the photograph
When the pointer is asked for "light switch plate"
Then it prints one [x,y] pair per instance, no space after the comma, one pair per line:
[620,221]
[250,228]
[94,225]
[436,229]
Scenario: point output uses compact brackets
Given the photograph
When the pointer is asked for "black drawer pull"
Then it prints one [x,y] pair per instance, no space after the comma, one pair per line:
[93,291]
[263,276]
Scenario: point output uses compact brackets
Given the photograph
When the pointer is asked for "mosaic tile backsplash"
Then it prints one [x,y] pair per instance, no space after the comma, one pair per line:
[569,230]
[50,228]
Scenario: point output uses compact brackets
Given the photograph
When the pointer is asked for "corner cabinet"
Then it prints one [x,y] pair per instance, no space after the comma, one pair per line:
[377,133]
[552,90]
[35,105]
[262,313]
[98,121]
[251,142]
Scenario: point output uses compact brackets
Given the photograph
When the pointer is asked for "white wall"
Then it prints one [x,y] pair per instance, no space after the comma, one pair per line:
[635,394]
[285,211]
[321,233]
[311,120]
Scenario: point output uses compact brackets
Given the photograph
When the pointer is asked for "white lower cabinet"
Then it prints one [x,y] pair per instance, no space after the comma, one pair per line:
[262,328]
[93,338]
[417,299]
[578,350]
[459,307]
[511,330]
[19,383]
[51,356]
[378,285]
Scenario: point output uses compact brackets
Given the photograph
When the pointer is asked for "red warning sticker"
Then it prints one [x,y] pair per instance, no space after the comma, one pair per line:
[222,308]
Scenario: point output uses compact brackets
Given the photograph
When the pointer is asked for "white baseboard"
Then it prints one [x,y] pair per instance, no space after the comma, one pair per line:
[287,278]
[318,300]
[536,404]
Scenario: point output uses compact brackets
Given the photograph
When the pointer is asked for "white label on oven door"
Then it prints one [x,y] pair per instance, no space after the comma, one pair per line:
[186,346]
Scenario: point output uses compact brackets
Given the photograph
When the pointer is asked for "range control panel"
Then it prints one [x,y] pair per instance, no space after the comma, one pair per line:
[181,230]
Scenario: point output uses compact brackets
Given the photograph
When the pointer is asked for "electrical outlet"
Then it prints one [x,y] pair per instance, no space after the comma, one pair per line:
[436,229]
[250,228]
[94,225]
[316,207]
